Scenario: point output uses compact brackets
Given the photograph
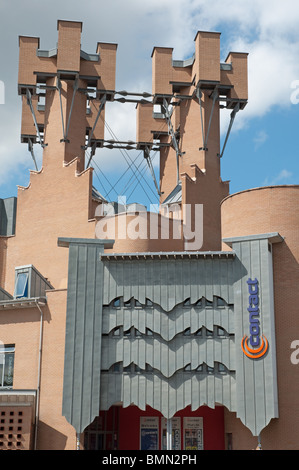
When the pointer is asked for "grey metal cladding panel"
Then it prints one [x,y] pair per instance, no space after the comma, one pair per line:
[269,329]
[142,282]
[92,330]
[11,209]
[168,325]
[70,333]
[38,285]
[5,295]
[167,357]
[168,397]
[8,208]
[256,378]
[168,282]
[81,389]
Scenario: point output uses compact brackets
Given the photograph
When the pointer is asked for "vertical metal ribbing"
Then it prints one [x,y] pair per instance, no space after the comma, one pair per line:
[82,368]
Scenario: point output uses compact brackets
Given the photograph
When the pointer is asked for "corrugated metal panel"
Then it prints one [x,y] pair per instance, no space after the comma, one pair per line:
[168,282]
[167,325]
[8,209]
[81,389]
[175,196]
[168,397]
[167,357]
[256,379]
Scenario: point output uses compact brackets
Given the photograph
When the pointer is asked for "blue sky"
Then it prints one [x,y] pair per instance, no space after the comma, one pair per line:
[263,147]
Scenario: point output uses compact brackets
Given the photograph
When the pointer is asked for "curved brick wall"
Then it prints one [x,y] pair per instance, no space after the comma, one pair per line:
[265,210]
[139,233]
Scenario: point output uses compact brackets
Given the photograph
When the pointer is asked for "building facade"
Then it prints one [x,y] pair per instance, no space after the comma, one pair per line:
[123,329]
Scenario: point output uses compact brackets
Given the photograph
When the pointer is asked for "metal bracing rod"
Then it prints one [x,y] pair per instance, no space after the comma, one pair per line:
[29,101]
[173,137]
[232,118]
[170,127]
[30,148]
[199,95]
[146,153]
[76,85]
[61,109]
[92,152]
[125,155]
[125,100]
[103,101]
[215,97]
[126,93]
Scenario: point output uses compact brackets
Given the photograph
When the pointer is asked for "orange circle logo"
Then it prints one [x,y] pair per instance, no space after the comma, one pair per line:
[255,353]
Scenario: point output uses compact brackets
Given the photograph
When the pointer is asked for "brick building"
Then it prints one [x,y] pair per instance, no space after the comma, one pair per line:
[174,326]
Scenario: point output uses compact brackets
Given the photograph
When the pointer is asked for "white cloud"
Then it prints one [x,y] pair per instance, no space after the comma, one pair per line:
[260,138]
[14,156]
[282,178]
[266,29]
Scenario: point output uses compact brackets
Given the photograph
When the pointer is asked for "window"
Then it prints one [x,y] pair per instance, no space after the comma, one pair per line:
[220,302]
[21,285]
[7,357]
[221,368]
[116,367]
[220,331]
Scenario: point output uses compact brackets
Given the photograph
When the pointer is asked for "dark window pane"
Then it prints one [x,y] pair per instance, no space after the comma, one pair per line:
[8,370]
[22,285]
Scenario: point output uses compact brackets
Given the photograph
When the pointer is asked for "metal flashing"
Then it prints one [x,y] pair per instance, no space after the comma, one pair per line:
[207,32]
[46,53]
[66,242]
[91,57]
[169,255]
[97,195]
[274,237]
[184,63]
[69,21]
[13,304]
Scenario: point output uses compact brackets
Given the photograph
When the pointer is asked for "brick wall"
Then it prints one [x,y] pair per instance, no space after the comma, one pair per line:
[267,210]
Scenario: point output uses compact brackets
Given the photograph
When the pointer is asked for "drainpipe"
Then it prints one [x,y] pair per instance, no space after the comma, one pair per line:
[38,374]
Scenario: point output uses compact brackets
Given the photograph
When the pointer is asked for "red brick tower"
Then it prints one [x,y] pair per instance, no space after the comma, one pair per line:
[57,87]
[190,94]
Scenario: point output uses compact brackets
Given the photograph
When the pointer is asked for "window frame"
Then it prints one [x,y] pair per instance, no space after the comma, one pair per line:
[5,350]
[25,291]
